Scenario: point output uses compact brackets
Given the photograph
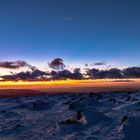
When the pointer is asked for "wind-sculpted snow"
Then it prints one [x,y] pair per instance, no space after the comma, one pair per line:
[93,116]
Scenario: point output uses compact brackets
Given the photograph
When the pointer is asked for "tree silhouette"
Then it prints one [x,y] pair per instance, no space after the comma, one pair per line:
[57,64]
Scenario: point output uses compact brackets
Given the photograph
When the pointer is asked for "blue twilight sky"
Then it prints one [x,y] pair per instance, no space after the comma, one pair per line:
[79,31]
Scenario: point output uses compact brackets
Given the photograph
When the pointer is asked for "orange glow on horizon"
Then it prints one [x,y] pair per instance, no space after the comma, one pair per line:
[12,88]
[61,82]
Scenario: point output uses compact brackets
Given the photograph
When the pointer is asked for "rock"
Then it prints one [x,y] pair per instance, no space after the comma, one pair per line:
[72,106]
[91,94]
[39,105]
[79,115]
[81,99]
[18,127]
[70,121]
[130,92]
[34,105]
[128,99]
[3,111]
[124,120]
[112,100]
[77,119]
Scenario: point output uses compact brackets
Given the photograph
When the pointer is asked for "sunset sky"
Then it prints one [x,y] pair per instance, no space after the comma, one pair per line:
[78,31]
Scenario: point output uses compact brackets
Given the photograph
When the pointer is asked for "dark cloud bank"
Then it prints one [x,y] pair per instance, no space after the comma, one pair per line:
[36,74]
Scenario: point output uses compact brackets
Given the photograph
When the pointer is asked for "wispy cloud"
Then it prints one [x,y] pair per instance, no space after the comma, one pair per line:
[66,19]
[14,64]
[99,63]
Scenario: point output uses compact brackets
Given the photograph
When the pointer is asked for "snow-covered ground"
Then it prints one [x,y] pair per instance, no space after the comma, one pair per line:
[100,116]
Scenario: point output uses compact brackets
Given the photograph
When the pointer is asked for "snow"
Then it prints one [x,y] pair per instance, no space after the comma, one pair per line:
[99,116]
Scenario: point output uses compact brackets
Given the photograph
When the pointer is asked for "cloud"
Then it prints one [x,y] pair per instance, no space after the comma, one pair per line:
[99,63]
[57,64]
[33,75]
[66,74]
[15,64]
[111,73]
[132,72]
[66,19]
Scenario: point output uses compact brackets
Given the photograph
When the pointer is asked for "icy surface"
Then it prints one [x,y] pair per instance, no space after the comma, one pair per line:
[102,116]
